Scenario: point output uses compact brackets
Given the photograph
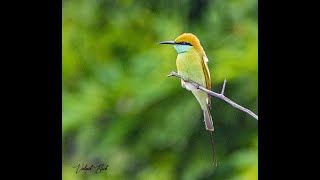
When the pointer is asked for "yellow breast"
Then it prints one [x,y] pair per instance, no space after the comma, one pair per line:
[189,66]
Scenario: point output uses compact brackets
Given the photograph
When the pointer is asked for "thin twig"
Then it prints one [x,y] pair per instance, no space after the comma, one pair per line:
[220,96]
[223,87]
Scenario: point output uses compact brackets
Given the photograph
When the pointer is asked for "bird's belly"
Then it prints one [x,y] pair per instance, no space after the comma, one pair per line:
[190,69]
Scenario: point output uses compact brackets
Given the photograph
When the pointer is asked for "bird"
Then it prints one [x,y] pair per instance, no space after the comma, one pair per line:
[192,64]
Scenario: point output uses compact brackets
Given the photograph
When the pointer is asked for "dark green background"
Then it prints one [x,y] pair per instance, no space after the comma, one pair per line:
[119,108]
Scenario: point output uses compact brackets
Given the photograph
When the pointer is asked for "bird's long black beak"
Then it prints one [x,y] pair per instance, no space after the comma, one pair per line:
[167,42]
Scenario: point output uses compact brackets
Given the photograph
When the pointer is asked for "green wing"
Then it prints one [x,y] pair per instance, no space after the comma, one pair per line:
[207,78]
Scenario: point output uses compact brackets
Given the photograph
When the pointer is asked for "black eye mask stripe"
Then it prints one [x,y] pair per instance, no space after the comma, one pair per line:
[184,43]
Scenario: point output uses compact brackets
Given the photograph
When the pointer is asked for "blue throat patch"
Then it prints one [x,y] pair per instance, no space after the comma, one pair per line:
[182,48]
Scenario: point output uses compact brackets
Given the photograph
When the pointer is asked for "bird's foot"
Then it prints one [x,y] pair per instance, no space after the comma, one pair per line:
[196,85]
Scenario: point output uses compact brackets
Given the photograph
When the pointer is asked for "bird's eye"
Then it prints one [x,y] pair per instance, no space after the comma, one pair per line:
[185,43]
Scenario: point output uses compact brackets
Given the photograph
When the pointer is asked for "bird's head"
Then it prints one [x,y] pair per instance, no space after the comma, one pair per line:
[185,42]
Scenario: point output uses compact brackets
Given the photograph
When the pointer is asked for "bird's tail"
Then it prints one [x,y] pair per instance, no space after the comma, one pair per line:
[208,120]
[209,126]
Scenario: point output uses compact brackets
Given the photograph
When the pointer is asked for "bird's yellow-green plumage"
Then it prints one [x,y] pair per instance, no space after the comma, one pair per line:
[192,65]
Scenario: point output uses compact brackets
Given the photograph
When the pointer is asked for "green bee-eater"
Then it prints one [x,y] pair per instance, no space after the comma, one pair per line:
[192,65]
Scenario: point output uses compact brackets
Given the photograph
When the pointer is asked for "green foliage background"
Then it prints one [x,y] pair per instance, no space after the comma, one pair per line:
[119,108]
